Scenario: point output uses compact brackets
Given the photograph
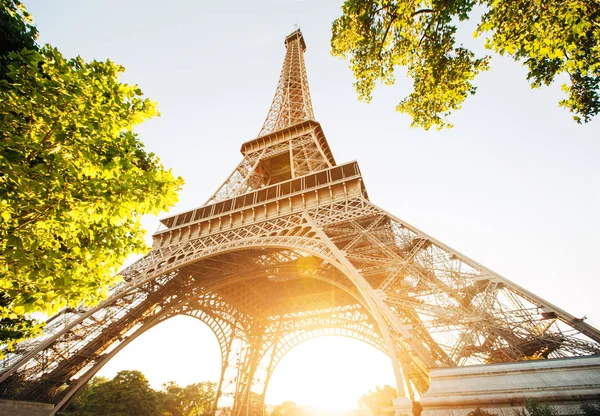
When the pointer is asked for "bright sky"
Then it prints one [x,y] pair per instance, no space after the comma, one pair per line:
[515,185]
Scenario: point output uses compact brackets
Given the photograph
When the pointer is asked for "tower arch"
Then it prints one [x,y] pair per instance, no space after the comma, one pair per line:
[289,210]
[201,301]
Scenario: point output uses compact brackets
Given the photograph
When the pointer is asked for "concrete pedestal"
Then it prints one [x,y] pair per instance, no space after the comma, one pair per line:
[564,384]
[17,408]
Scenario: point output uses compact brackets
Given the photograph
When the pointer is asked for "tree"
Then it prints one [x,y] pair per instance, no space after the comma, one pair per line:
[373,402]
[127,394]
[288,408]
[192,400]
[549,37]
[84,403]
[16,30]
[533,408]
[74,182]
[254,405]
[16,33]
[590,409]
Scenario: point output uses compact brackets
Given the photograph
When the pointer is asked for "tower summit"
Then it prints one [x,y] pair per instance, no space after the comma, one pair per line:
[290,248]
[291,104]
[290,144]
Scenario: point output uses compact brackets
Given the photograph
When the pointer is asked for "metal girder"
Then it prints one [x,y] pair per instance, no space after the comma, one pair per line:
[290,248]
[292,102]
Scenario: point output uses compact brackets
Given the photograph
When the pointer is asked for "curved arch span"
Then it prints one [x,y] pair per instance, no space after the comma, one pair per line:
[272,242]
[309,337]
[164,316]
[134,283]
[206,315]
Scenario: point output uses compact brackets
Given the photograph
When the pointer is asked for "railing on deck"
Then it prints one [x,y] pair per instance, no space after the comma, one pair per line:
[330,176]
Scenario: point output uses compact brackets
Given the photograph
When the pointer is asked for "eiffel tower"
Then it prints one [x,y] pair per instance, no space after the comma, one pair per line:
[290,248]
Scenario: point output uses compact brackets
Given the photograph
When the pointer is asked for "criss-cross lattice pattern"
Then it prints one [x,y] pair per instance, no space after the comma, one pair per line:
[292,103]
[287,160]
[288,249]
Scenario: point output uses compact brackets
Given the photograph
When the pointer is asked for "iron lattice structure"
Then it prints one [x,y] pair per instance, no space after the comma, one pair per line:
[290,248]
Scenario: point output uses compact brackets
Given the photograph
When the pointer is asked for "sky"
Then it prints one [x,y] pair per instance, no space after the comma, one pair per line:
[515,185]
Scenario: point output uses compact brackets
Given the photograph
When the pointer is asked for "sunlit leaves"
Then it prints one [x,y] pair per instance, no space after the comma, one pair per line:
[288,408]
[16,30]
[129,393]
[550,38]
[192,400]
[442,76]
[374,401]
[74,180]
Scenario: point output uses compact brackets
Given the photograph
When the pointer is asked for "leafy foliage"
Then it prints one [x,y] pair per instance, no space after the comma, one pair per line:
[550,38]
[17,31]
[254,405]
[74,182]
[129,394]
[480,412]
[590,409]
[288,408]
[533,408]
[372,402]
[192,400]
[85,403]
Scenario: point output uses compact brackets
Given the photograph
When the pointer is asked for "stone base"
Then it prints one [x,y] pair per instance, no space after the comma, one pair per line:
[17,408]
[564,384]
[563,409]
[402,407]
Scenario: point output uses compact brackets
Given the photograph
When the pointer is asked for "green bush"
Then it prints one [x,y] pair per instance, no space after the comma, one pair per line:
[533,408]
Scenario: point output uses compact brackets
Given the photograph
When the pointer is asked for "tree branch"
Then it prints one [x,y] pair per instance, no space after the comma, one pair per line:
[385,36]
[416,13]
[47,136]
[381,8]
[427,30]
[422,11]
[30,220]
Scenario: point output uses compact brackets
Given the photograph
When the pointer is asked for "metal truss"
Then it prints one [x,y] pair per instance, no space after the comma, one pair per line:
[297,151]
[288,249]
[292,103]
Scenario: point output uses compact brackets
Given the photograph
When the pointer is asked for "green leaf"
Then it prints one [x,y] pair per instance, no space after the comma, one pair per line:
[80,182]
[557,37]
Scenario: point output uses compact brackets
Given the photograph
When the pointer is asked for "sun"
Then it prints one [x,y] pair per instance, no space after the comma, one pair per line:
[325,375]
[328,375]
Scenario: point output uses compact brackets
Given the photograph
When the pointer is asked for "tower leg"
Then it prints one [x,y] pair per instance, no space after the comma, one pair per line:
[224,367]
[246,402]
[375,304]
[269,371]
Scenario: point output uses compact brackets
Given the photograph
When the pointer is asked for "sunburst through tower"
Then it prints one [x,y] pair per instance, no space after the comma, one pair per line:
[290,248]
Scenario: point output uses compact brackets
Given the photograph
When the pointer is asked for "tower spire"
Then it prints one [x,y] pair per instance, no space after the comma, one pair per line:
[291,103]
[290,248]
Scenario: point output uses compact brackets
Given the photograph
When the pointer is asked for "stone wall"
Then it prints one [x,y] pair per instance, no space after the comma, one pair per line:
[16,408]
[564,384]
